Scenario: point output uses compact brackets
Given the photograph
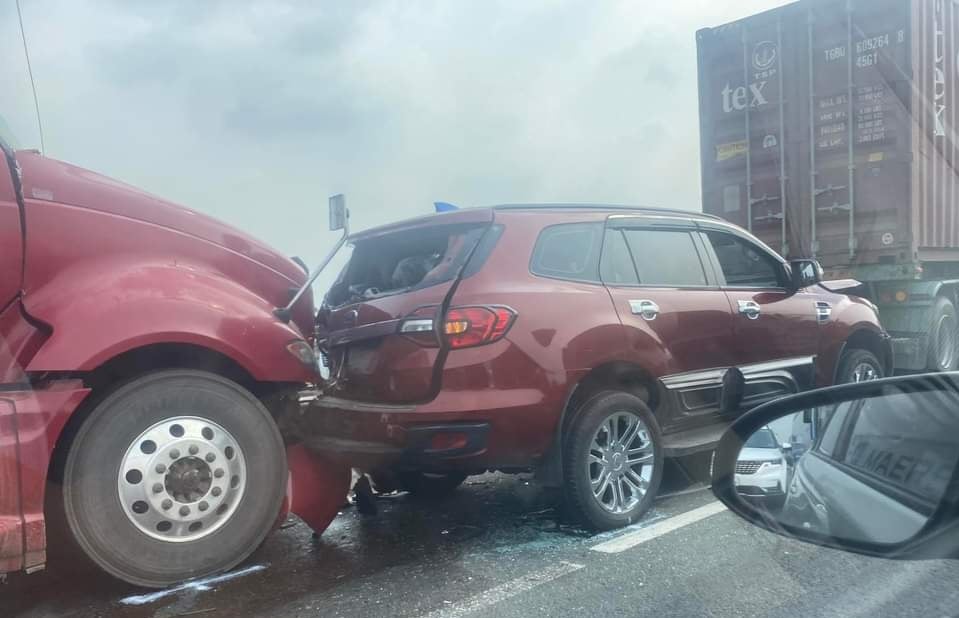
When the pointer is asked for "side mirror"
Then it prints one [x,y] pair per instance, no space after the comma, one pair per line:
[805,273]
[338,212]
[880,476]
[786,446]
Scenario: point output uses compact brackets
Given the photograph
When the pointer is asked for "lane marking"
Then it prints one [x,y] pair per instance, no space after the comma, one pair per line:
[632,539]
[505,591]
[683,492]
[196,585]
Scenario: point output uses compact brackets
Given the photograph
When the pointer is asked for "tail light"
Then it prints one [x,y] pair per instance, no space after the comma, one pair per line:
[465,327]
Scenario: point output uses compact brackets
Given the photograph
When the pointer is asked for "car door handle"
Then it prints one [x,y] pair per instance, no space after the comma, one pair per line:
[646,309]
[750,309]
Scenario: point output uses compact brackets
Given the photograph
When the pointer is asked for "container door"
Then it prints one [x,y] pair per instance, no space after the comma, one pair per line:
[677,321]
[772,325]
[11,237]
[11,517]
[856,189]
[377,322]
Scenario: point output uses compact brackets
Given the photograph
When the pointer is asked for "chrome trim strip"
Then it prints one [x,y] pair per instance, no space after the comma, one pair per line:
[714,377]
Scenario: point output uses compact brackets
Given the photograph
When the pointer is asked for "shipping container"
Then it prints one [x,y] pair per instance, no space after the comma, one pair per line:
[827,128]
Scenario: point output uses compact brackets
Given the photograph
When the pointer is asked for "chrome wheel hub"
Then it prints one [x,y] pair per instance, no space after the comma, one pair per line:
[864,372]
[181,479]
[620,463]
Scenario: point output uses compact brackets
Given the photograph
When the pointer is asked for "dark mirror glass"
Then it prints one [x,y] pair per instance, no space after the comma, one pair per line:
[868,470]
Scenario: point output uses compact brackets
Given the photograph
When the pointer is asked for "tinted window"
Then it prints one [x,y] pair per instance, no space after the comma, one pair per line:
[744,264]
[665,257]
[569,251]
[617,263]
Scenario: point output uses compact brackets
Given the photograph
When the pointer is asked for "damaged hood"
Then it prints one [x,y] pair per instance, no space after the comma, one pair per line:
[46,179]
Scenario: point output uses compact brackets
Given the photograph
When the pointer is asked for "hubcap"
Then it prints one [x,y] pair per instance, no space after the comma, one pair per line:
[620,463]
[946,342]
[181,479]
[864,372]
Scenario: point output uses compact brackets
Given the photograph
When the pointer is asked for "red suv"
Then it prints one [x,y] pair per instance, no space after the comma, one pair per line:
[584,342]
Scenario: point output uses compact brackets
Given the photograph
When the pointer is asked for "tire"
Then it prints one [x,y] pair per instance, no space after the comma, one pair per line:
[943,352]
[858,366]
[430,484]
[193,442]
[582,472]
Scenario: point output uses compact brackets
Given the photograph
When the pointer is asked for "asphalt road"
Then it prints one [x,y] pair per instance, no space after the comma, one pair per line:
[500,547]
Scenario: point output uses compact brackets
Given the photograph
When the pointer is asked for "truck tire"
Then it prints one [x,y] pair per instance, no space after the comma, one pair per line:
[175,475]
[858,366]
[430,484]
[613,460]
[943,331]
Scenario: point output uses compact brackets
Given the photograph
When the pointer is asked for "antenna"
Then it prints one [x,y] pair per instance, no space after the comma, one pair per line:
[33,85]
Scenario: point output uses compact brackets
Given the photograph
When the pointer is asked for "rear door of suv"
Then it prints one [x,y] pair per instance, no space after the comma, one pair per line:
[376,324]
[680,321]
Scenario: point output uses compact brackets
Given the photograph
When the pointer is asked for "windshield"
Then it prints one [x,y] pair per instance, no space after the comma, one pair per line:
[762,439]
[555,252]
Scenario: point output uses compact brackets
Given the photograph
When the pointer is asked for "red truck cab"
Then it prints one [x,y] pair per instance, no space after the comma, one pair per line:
[141,367]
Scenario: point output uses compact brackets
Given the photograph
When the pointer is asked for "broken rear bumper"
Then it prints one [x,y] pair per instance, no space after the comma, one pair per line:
[450,432]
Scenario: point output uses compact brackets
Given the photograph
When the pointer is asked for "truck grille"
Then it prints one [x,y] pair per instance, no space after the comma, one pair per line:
[747,467]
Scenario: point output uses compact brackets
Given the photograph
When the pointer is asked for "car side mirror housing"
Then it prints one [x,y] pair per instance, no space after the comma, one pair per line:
[877,473]
[805,273]
[786,446]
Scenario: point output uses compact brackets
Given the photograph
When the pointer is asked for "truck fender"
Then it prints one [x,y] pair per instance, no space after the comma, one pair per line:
[94,314]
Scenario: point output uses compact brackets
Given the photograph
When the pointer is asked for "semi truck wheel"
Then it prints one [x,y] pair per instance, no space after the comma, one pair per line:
[613,461]
[175,475]
[858,366]
[943,336]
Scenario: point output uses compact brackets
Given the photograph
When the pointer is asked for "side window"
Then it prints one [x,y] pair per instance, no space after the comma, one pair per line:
[616,267]
[568,251]
[666,258]
[744,264]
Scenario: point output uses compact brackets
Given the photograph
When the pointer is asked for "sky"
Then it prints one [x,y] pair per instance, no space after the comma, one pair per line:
[256,112]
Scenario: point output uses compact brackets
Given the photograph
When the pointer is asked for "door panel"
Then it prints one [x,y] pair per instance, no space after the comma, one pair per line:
[681,332]
[11,237]
[770,323]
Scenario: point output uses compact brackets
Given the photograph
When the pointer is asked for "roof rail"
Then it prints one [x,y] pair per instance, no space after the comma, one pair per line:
[647,209]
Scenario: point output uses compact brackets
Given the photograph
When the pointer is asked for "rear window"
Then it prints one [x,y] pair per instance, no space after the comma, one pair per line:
[404,261]
[568,251]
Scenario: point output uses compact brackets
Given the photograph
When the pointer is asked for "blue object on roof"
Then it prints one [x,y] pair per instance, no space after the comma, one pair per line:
[444,207]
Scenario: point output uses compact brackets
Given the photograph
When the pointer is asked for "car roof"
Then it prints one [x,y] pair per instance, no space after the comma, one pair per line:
[612,208]
[476,214]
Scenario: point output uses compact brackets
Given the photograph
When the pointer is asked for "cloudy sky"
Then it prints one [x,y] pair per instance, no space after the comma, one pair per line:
[255,112]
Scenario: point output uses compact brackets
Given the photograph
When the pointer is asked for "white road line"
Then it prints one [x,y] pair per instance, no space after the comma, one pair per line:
[632,539]
[195,585]
[505,591]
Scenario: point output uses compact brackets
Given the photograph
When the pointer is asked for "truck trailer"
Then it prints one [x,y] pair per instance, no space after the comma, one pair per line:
[827,129]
